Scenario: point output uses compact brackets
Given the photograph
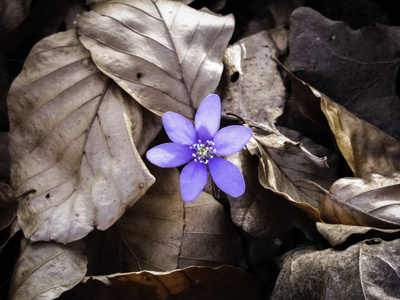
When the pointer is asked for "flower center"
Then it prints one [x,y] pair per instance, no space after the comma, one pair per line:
[204,152]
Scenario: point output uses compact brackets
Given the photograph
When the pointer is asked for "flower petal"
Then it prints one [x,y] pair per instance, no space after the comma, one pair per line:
[193,179]
[179,129]
[231,139]
[227,176]
[208,117]
[169,155]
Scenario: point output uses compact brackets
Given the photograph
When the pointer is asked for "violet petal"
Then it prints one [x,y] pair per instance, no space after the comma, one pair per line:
[179,129]
[227,176]
[231,139]
[208,117]
[169,155]
[192,180]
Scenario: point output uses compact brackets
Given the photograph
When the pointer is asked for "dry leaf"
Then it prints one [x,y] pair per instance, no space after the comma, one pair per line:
[195,283]
[252,85]
[161,232]
[356,68]
[373,202]
[283,161]
[337,234]
[261,212]
[71,142]
[46,269]
[164,54]
[367,270]
[367,149]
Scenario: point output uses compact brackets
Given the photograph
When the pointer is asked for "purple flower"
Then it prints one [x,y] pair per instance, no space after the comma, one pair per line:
[202,146]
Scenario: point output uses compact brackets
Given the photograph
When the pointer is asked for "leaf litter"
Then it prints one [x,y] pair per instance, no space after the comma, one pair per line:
[87,105]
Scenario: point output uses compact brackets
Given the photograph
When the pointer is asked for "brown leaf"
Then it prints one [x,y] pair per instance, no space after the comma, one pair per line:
[71,140]
[283,161]
[252,85]
[355,68]
[373,202]
[161,232]
[337,234]
[195,283]
[261,212]
[164,54]
[367,270]
[367,149]
[47,269]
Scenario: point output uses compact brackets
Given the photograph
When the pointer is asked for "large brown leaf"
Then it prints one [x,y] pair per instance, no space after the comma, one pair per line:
[161,232]
[356,68]
[367,149]
[284,162]
[373,201]
[367,270]
[71,140]
[195,283]
[163,53]
[47,269]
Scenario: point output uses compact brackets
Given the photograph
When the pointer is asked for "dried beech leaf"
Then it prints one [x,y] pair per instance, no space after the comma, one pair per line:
[195,283]
[373,201]
[164,54]
[8,205]
[254,86]
[366,149]
[261,212]
[11,231]
[161,232]
[356,68]
[367,270]
[281,163]
[71,142]
[337,234]
[46,269]
[5,160]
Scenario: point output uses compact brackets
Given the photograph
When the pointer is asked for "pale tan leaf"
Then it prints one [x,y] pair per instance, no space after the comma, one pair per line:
[373,202]
[46,269]
[252,86]
[164,54]
[71,141]
[195,283]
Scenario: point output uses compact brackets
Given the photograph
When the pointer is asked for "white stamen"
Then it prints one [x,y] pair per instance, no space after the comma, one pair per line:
[204,152]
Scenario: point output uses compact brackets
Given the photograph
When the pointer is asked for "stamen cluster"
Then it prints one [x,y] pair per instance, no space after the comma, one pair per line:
[204,152]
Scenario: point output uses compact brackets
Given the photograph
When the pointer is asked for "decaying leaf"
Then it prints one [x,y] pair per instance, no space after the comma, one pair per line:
[373,201]
[367,149]
[367,270]
[71,141]
[8,205]
[252,85]
[283,161]
[195,283]
[47,269]
[261,212]
[338,234]
[161,232]
[163,53]
[355,68]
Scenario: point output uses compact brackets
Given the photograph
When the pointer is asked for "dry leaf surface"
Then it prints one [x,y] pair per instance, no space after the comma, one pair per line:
[71,143]
[195,283]
[164,54]
[369,269]
[47,269]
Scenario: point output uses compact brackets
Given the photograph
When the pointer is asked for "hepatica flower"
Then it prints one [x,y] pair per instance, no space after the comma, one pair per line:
[201,146]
